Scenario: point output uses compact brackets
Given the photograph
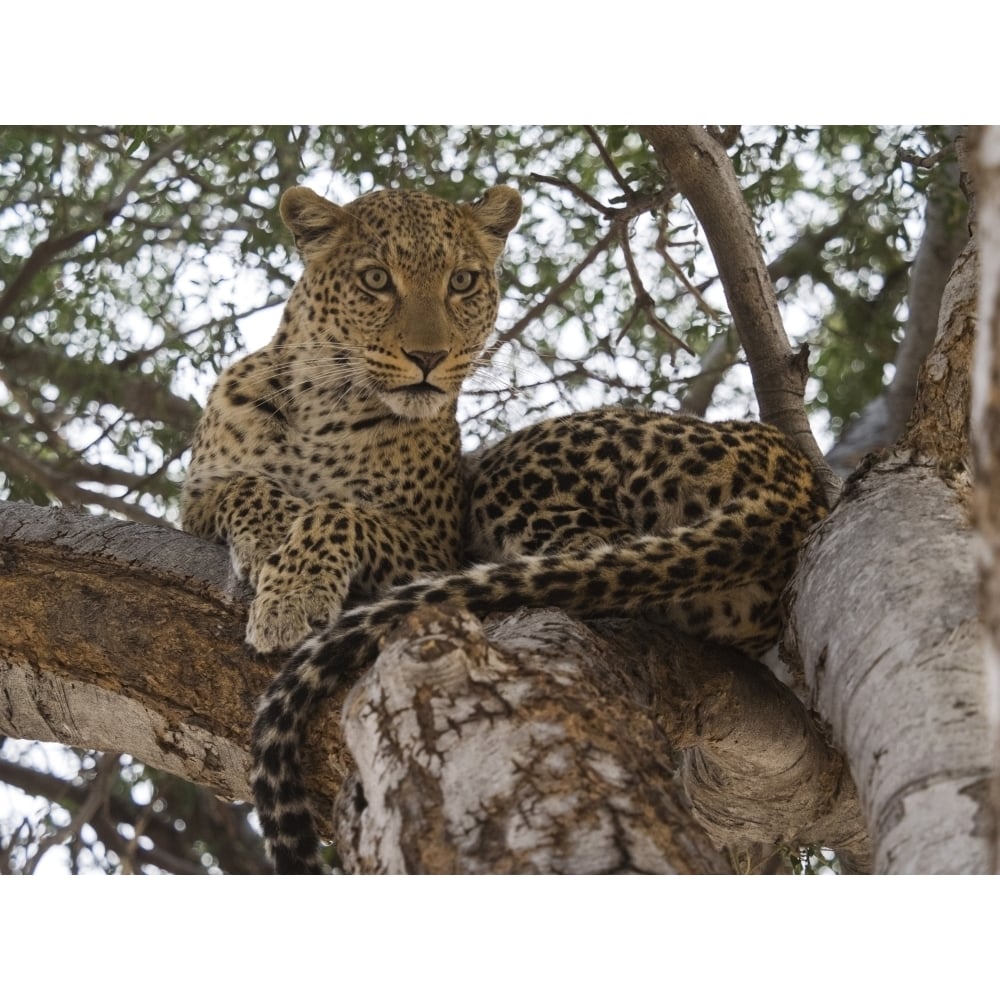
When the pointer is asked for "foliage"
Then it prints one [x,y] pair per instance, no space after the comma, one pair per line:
[137,261]
[133,259]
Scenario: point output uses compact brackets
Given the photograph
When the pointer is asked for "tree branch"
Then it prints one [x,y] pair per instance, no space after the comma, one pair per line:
[93,798]
[884,633]
[943,240]
[576,191]
[128,638]
[207,821]
[555,293]
[609,161]
[699,166]
[45,252]
[136,393]
[124,637]
[59,483]
[578,728]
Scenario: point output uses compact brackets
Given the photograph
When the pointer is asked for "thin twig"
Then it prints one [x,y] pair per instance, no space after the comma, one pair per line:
[575,189]
[553,295]
[98,790]
[609,161]
[620,219]
[661,247]
[930,160]
[50,248]
[644,301]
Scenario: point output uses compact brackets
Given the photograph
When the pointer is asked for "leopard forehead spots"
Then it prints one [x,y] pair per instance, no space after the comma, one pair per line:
[414,232]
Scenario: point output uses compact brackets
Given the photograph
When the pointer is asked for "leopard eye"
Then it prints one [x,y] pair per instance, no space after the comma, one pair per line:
[376,279]
[463,281]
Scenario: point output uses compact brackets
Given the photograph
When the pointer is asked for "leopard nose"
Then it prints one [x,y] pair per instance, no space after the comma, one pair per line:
[426,361]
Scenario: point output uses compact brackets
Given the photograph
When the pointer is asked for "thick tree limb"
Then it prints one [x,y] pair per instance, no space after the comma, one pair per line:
[939,423]
[943,240]
[118,636]
[698,164]
[942,249]
[885,630]
[575,744]
[542,745]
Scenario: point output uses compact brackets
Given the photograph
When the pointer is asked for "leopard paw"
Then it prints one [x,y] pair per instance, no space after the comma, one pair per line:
[281,621]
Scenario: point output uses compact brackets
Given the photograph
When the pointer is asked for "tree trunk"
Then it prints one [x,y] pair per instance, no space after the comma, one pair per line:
[884,419]
[884,629]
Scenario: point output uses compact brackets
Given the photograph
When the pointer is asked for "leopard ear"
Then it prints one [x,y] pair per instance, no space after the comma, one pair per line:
[497,212]
[310,218]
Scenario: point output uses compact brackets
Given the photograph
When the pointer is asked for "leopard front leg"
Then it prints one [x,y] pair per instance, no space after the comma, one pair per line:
[329,549]
[304,581]
[302,557]
[253,516]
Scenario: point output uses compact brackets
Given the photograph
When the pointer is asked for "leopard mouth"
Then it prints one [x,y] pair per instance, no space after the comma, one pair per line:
[417,401]
[418,389]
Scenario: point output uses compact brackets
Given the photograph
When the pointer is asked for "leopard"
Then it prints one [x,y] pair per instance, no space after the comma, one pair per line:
[330,463]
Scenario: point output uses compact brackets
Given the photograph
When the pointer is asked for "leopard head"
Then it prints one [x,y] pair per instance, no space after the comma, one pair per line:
[400,287]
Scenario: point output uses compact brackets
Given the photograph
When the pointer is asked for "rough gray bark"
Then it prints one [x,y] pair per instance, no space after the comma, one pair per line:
[986,439]
[542,745]
[547,747]
[885,633]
